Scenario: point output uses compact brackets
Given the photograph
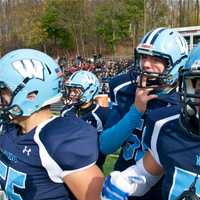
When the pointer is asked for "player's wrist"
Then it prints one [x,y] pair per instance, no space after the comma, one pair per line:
[111,188]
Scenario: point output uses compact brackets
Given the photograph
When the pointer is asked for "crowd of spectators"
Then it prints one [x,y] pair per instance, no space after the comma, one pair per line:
[103,68]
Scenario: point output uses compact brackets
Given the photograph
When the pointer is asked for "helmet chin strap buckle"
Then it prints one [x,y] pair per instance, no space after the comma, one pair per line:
[192,118]
[190,110]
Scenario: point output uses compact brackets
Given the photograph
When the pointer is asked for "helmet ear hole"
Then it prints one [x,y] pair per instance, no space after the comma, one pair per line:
[32,95]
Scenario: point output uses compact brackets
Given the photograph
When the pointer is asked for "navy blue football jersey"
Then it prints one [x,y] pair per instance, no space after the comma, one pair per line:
[32,166]
[177,151]
[123,90]
[96,116]
[122,95]
[134,148]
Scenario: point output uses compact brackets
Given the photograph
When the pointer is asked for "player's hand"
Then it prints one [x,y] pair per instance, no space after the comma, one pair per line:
[143,96]
[118,187]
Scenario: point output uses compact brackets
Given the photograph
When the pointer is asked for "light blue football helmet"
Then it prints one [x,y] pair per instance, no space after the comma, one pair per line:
[28,72]
[168,45]
[86,82]
[189,90]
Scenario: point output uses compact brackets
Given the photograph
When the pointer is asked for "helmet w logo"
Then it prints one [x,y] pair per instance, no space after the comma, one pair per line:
[29,68]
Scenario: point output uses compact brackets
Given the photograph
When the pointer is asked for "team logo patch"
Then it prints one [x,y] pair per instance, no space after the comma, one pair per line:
[58,72]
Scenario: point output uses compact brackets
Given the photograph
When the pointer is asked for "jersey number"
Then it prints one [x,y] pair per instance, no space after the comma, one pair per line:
[12,178]
[133,149]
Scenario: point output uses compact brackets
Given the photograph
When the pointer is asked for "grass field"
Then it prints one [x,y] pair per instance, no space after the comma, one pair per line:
[108,166]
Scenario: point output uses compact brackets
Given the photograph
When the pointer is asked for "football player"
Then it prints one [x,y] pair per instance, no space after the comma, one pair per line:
[173,147]
[79,95]
[43,156]
[79,98]
[158,57]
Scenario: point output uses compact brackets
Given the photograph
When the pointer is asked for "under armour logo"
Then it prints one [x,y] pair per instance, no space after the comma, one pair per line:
[26,150]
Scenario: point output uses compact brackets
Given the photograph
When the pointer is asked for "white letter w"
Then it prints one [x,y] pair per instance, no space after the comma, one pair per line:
[29,68]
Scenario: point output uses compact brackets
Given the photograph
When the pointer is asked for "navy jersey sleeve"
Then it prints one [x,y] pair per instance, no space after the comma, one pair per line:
[68,110]
[103,113]
[71,142]
[122,91]
[154,121]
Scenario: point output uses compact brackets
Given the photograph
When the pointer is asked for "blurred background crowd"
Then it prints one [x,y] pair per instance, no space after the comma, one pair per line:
[104,68]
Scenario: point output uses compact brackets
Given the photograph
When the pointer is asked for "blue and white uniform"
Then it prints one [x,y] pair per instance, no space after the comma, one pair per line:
[176,151]
[33,165]
[170,50]
[103,119]
[122,91]
[134,147]
[94,115]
